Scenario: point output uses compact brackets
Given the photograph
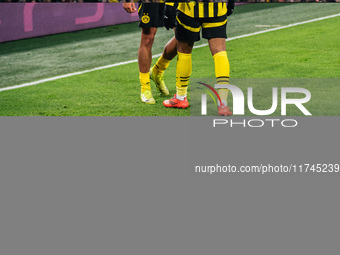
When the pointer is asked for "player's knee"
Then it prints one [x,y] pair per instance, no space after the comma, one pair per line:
[185,47]
[217,45]
[219,52]
[148,40]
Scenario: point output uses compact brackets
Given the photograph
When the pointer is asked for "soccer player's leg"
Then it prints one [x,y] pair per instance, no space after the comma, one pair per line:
[216,38]
[144,63]
[170,51]
[156,72]
[222,72]
[183,73]
[187,32]
[222,77]
[151,17]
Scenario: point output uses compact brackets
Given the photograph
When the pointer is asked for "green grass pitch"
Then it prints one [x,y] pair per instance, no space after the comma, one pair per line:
[308,51]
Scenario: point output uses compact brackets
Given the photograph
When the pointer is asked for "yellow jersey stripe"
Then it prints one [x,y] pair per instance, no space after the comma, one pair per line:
[203,10]
[192,29]
[190,10]
[171,4]
[220,11]
[216,24]
[211,10]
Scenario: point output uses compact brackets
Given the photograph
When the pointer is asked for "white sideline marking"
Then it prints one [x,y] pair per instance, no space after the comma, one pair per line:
[158,55]
[267,25]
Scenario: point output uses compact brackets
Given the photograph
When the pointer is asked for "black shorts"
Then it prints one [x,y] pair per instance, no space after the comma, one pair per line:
[188,29]
[151,14]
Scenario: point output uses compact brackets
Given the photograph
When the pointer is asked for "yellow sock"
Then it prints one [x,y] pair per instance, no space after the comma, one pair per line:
[222,72]
[223,93]
[144,79]
[183,72]
[161,64]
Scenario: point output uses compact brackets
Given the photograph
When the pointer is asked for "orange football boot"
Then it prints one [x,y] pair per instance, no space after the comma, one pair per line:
[174,102]
[224,110]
